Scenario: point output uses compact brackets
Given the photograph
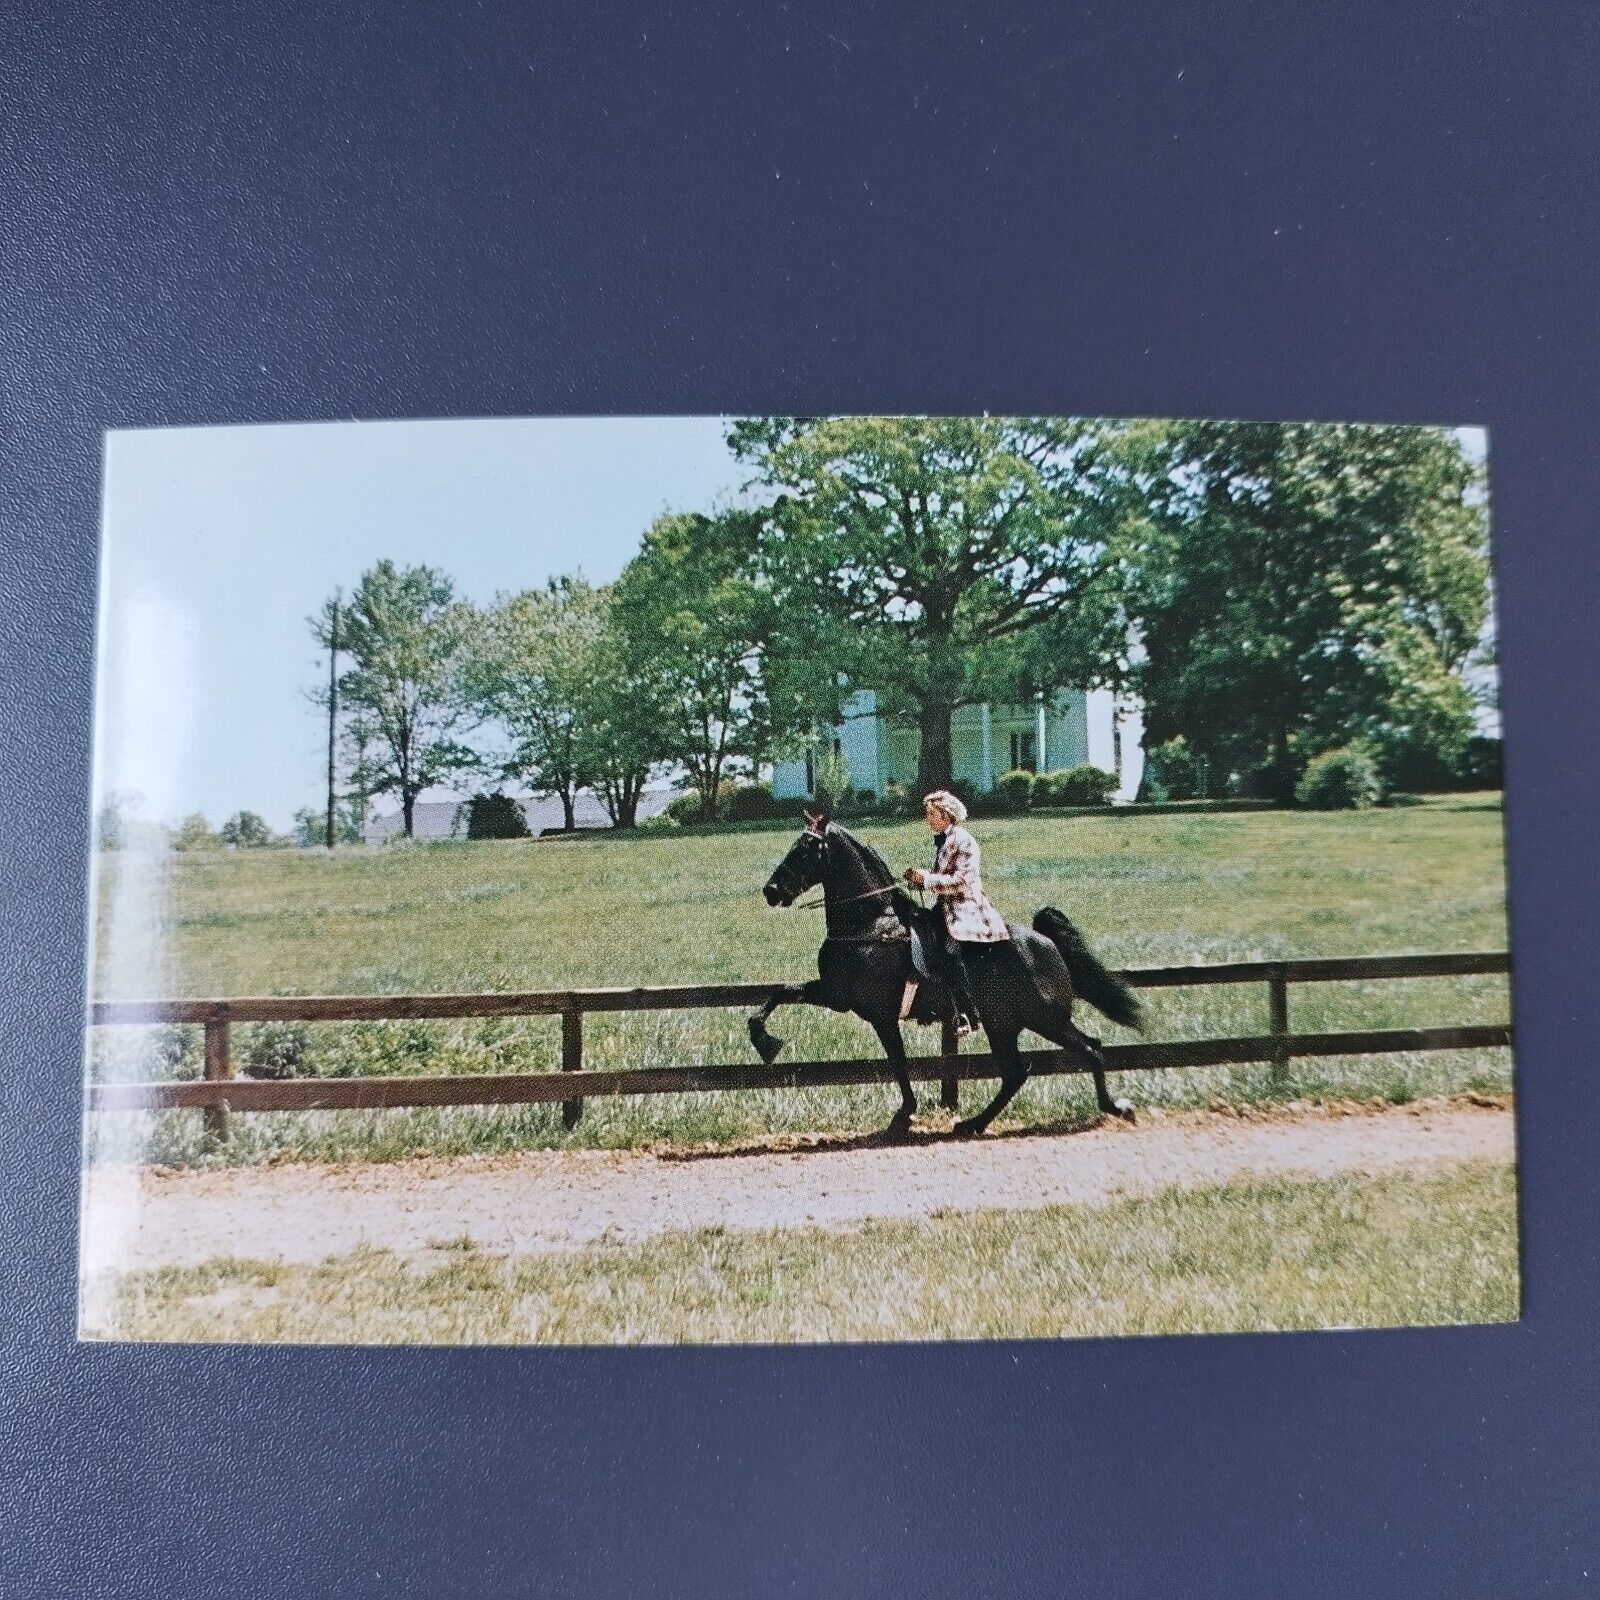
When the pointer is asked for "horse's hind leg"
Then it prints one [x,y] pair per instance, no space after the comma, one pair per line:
[1066,1033]
[1013,1074]
[895,1048]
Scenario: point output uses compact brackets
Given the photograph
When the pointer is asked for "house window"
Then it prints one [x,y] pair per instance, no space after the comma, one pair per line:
[1024,755]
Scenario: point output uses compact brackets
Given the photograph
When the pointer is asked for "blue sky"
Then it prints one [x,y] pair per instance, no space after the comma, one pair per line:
[218,543]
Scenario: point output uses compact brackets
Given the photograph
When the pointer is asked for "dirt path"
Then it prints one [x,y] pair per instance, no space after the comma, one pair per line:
[552,1200]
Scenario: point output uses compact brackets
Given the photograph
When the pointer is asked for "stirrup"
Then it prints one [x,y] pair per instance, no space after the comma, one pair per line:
[964,1025]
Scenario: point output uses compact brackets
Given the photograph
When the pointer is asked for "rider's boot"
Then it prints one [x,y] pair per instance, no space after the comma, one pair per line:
[962,1002]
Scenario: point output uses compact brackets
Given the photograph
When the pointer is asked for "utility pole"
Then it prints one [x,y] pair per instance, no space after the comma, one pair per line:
[333,709]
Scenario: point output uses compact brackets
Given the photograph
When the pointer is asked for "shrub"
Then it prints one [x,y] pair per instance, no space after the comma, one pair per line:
[1013,791]
[1169,772]
[661,822]
[1076,786]
[495,816]
[751,802]
[1481,765]
[1411,766]
[274,1050]
[901,800]
[1345,779]
[856,803]
[684,808]
[145,1054]
[830,779]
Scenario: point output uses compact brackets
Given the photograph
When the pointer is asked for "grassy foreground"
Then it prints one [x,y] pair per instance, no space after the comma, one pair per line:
[675,908]
[1264,1255]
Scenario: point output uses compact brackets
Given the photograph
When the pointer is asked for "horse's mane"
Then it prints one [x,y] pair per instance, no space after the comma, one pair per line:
[901,901]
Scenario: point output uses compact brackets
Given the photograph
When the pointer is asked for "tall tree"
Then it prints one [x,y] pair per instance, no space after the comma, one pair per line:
[943,543]
[1302,585]
[246,830]
[333,716]
[407,638]
[693,591]
[624,737]
[533,670]
[311,825]
[194,833]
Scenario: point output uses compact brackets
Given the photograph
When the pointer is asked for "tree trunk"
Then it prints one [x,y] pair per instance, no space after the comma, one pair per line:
[935,757]
[706,786]
[408,807]
[569,810]
[935,761]
[1282,767]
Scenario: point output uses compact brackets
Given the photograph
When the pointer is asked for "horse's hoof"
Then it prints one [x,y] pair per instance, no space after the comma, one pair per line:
[1122,1109]
[899,1125]
[968,1128]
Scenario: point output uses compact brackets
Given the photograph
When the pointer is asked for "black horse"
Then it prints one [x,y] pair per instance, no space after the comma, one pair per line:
[866,966]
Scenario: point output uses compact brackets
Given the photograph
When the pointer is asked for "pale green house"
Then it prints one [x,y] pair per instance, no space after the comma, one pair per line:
[1071,728]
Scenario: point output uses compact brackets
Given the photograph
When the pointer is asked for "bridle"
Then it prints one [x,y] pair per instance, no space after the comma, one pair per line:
[840,900]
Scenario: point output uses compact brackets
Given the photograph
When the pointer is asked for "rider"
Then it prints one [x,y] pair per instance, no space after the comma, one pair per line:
[968,916]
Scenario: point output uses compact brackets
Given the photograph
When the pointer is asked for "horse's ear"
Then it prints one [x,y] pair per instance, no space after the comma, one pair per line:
[817,821]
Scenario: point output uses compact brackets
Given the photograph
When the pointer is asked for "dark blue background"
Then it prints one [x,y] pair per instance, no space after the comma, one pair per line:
[305,211]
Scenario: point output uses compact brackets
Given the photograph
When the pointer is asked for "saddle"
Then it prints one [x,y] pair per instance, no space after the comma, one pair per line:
[922,936]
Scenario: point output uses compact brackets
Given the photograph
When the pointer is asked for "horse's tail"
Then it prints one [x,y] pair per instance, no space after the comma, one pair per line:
[1102,989]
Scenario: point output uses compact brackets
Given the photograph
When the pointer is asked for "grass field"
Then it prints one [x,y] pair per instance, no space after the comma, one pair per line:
[1391,1251]
[685,907]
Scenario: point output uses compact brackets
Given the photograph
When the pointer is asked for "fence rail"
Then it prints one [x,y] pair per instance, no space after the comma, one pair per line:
[218,1092]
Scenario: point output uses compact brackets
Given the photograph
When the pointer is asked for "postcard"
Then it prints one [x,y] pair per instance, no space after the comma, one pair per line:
[774,879]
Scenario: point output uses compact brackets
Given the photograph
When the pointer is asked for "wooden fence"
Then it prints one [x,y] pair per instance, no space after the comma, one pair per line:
[218,1092]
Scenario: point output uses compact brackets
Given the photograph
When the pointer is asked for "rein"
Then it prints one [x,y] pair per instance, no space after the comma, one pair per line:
[843,900]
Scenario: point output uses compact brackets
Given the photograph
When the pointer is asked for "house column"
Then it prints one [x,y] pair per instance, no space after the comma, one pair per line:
[1039,758]
[987,748]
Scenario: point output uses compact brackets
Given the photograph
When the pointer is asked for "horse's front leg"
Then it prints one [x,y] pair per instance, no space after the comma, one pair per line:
[767,1045]
[1013,1074]
[888,1032]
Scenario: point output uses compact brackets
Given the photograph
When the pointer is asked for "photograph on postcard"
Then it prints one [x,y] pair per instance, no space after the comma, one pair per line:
[770,879]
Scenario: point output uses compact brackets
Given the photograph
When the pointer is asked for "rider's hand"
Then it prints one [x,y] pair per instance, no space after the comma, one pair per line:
[914,877]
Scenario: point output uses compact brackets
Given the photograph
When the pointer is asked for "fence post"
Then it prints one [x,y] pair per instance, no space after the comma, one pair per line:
[571,1061]
[218,1068]
[1278,1020]
[949,1087]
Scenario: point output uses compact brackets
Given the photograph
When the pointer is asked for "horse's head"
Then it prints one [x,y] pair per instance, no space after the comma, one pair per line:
[804,865]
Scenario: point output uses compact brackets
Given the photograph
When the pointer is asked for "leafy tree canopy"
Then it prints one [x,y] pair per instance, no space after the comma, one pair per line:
[245,830]
[407,638]
[728,677]
[1302,585]
[194,833]
[944,545]
[532,669]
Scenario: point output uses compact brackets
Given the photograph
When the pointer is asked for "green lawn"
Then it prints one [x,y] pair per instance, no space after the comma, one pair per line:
[1350,1252]
[685,907]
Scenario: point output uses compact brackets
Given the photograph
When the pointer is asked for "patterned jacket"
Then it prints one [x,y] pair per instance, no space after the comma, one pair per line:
[955,880]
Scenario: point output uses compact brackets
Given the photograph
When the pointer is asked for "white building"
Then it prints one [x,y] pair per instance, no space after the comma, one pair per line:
[1072,728]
